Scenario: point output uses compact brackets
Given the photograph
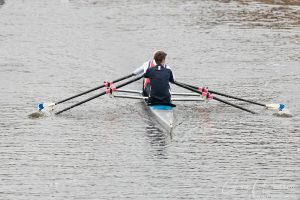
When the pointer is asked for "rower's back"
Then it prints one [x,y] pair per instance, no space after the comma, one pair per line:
[159,76]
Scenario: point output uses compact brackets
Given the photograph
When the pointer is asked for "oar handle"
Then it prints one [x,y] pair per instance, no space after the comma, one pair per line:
[96,88]
[215,98]
[229,96]
[98,95]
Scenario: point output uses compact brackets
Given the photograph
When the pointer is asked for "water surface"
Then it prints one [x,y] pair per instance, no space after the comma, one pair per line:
[110,148]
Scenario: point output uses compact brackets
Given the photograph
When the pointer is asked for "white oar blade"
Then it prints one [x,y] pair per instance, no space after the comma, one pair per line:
[45,107]
[281,108]
[276,106]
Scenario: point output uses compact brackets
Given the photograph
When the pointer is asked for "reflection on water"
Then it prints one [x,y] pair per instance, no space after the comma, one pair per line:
[2,2]
[159,140]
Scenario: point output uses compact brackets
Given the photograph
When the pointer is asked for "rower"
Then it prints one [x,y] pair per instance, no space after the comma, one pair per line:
[157,75]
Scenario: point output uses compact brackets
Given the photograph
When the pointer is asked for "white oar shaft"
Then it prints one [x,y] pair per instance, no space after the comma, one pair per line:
[142,98]
[129,97]
[185,94]
[129,91]
[98,95]
[187,99]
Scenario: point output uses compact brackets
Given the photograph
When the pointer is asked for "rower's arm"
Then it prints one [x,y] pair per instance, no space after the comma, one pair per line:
[146,75]
[171,79]
[139,70]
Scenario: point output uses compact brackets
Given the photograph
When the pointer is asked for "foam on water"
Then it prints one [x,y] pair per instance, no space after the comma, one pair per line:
[284,113]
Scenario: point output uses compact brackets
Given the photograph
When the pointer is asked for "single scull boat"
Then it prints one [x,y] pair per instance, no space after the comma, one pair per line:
[163,113]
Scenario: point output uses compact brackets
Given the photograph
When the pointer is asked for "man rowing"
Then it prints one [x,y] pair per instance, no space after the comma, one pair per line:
[157,75]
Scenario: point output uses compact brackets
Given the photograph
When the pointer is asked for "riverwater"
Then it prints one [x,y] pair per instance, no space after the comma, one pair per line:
[111,148]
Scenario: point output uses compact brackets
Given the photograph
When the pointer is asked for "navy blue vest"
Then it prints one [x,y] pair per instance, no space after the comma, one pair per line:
[160,77]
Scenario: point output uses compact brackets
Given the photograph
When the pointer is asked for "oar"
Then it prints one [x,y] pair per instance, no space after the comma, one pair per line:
[215,98]
[98,95]
[49,106]
[279,106]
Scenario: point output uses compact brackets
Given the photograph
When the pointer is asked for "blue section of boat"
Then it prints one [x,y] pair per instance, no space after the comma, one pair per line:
[161,107]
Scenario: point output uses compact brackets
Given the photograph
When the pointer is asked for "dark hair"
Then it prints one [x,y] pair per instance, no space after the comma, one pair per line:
[159,56]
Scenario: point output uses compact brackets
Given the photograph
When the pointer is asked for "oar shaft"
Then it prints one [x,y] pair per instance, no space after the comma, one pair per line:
[229,96]
[215,98]
[233,105]
[96,88]
[237,98]
[78,95]
[81,102]
[98,95]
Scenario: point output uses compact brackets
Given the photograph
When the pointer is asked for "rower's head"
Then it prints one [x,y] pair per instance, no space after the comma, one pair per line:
[160,57]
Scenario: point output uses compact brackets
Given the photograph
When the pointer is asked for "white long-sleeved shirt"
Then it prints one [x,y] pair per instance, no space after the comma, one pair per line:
[144,67]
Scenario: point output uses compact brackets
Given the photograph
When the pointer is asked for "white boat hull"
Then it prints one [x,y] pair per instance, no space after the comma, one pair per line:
[163,114]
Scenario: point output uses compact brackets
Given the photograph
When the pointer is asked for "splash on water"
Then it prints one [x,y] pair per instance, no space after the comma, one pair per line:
[38,115]
[284,113]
